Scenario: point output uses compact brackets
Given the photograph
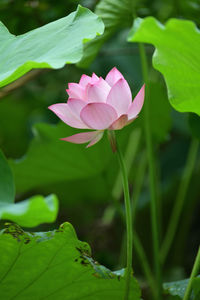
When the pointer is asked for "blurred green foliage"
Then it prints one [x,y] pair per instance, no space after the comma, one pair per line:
[84,179]
[28,213]
[22,16]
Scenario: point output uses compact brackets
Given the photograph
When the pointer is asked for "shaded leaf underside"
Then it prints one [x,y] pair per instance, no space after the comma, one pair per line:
[50,46]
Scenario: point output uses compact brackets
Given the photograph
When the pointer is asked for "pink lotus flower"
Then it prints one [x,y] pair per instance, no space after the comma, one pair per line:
[95,103]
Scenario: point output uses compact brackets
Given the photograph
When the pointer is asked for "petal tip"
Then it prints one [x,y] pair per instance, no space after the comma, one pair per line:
[113,76]
[53,107]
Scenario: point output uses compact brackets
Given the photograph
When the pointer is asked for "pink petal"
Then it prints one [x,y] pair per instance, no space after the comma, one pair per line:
[76,91]
[76,105]
[113,76]
[98,115]
[98,91]
[96,139]
[95,78]
[63,111]
[119,123]
[120,97]
[137,104]
[85,79]
[81,138]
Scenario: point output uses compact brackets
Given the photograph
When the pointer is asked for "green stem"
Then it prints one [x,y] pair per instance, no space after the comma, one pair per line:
[136,240]
[194,273]
[128,222]
[129,157]
[154,221]
[178,206]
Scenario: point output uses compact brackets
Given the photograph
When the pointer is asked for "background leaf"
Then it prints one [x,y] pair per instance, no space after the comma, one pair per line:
[50,46]
[159,111]
[7,187]
[176,57]
[51,160]
[116,15]
[55,265]
[177,288]
[28,213]
[13,132]
[31,212]
[194,123]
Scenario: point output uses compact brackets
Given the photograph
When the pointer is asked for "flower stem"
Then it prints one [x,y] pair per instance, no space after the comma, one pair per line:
[129,158]
[178,206]
[154,220]
[128,222]
[194,273]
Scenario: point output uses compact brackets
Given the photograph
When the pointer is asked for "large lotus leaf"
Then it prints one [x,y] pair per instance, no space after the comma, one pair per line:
[50,46]
[176,57]
[51,160]
[115,15]
[55,265]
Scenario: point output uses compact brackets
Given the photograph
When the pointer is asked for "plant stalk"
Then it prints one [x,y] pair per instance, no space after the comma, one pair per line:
[129,158]
[194,273]
[129,230]
[152,177]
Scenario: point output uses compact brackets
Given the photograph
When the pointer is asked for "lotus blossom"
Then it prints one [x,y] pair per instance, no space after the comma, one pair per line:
[98,104]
